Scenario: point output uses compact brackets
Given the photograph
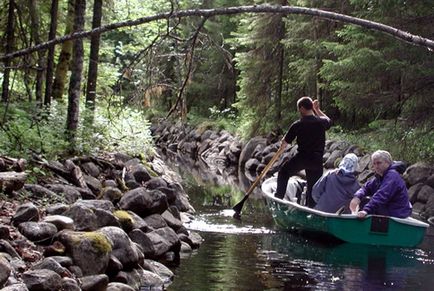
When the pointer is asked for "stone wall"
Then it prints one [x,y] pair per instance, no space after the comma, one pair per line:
[95,223]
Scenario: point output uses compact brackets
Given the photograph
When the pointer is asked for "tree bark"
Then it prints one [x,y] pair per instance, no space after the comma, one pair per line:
[9,48]
[94,56]
[76,73]
[64,57]
[34,28]
[389,30]
[50,58]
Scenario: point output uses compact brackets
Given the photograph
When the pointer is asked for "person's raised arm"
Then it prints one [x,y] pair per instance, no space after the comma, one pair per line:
[318,111]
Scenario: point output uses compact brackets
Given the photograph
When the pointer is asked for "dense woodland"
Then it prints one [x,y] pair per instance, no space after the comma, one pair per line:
[243,72]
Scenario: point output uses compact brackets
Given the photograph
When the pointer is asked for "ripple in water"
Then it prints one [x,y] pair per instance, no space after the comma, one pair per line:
[220,222]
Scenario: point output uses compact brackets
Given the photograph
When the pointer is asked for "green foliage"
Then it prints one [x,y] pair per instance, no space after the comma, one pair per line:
[217,119]
[259,59]
[125,130]
[27,129]
[373,76]
[410,144]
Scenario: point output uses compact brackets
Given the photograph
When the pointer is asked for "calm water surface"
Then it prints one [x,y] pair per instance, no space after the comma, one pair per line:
[252,254]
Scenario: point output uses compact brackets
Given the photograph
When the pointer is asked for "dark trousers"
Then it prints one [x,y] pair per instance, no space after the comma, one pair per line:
[313,167]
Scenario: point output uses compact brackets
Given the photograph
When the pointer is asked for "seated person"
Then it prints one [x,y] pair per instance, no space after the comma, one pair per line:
[335,189]
[294,190]
[387,189]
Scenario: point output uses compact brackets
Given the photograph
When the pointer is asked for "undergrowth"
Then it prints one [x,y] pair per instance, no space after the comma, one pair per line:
[26,129]
[407,143]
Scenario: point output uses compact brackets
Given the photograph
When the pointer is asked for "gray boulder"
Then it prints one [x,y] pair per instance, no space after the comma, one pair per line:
[94,282]
[138,278]
[42,280]
[84,218]
[161,270]
[25,212]
[144,202]
[70,193]
[16,287]
[116,286]
[5,271]
[89,250]
[122,247]
[60,221]
[418,173]
[38,231]
[69,284]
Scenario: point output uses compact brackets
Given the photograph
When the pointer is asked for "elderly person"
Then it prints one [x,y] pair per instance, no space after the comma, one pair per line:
[335,189]
[387,189]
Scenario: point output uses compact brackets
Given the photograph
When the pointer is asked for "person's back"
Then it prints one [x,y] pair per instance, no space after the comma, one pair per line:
[309,132]
[336,189]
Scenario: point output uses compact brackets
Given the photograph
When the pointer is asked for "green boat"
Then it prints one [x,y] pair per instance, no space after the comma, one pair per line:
[372,230]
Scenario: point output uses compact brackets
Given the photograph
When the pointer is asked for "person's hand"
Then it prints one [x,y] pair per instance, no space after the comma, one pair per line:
[315,104]
[361,214]
[283,143]
[354,204]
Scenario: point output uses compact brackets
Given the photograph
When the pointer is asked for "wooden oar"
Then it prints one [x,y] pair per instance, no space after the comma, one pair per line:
[237,208]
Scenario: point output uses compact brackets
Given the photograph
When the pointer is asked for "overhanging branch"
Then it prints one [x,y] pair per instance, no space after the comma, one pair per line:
[396,33]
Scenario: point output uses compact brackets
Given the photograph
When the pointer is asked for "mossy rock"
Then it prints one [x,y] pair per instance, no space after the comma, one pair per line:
[98,241]
[125,219]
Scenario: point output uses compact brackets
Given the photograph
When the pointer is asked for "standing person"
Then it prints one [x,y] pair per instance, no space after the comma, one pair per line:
[309,131]
[387,189]
[336,189]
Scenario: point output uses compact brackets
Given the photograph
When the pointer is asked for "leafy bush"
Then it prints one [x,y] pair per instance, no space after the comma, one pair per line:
[27,129]
[411,144]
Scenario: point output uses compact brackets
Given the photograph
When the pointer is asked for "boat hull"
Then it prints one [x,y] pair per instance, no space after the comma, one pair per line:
[373,230]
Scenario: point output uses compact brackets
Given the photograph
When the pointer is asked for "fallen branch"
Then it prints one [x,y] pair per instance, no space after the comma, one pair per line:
[390,30]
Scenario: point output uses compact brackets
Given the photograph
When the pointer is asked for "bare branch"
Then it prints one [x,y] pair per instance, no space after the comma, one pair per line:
[392,31]
[189,57]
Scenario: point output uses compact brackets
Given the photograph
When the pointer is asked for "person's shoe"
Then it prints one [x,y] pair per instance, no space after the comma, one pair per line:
[278,195]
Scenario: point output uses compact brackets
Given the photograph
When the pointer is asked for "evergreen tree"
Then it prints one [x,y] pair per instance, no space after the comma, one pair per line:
[259,60]
[373,76]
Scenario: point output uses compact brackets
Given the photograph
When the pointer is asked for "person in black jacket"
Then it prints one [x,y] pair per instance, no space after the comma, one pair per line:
[309,131]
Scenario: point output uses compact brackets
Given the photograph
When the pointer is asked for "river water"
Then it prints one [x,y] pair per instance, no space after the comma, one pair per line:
[252,254]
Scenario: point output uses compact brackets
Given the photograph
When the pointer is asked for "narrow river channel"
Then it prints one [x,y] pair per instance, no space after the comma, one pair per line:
[252,254]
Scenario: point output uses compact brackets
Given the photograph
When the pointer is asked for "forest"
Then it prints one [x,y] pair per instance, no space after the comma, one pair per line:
[65,91]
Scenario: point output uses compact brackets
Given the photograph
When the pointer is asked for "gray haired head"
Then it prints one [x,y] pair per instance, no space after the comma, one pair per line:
[383,155]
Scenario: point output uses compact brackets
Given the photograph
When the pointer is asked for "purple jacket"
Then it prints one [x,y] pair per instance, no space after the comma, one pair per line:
[388,193]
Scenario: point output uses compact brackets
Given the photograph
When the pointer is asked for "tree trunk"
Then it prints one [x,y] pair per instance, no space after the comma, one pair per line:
[76,72]
[64,57]
[9,48]
[94,55]
[50,57]
[34,28]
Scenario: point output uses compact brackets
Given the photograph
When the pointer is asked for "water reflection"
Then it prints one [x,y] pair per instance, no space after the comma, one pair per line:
[343,266]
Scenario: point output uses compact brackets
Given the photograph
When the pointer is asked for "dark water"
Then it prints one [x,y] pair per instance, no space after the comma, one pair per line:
[252,254]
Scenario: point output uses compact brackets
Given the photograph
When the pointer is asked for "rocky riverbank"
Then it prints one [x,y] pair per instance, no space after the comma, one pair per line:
[221,149]
[92,223]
